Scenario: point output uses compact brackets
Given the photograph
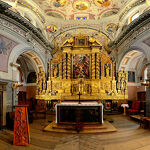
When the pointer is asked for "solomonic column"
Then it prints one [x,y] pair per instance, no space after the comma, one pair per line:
[93,65]
[69,66]
[97,66]
[64,65]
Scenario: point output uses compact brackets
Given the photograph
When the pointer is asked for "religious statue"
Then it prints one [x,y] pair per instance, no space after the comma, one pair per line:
[55,70]
[107,70]
[44,81]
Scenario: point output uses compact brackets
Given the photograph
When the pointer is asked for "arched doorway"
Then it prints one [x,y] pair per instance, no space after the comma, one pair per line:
[28,65]
[134,63]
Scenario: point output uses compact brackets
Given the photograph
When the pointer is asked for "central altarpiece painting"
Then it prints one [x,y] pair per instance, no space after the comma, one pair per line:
[82,65]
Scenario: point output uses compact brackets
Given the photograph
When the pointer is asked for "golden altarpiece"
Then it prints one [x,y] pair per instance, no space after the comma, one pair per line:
[82,66]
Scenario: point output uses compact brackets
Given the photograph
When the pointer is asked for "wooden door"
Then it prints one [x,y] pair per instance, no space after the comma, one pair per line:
[21,98]
[1,108]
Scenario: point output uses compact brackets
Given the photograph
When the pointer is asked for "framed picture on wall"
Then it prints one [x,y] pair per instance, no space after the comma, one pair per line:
[81,41]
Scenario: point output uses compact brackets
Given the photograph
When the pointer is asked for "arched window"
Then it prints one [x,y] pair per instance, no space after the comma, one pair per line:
[134,16]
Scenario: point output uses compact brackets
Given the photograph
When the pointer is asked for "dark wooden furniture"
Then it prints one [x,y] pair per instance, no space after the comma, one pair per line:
[21,126]
[141,96]
[135,109]
[40,108]
[79,113]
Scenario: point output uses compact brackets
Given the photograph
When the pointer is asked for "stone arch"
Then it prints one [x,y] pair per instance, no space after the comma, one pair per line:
[17,52]
[14,55]
[125,52]
[59,32]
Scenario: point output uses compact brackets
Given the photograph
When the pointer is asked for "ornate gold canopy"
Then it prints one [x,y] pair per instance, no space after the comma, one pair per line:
[82,65]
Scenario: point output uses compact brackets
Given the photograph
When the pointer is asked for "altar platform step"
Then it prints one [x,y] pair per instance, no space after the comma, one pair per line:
[104,128]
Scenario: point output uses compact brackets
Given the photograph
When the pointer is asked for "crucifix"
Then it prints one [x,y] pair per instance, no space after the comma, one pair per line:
[80,89]
[79,97]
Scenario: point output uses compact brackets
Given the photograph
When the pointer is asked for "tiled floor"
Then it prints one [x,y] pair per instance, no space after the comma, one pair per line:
[128,137]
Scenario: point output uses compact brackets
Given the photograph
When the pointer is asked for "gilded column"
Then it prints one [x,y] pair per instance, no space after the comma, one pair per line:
[44,82]
[60,69]
[102,67]
[69,66]
[97,66]
[93,66]
[64,66]
[113,70]
[49,76]
[37,83]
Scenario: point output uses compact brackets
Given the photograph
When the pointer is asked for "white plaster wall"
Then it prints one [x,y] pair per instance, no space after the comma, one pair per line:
[22,47]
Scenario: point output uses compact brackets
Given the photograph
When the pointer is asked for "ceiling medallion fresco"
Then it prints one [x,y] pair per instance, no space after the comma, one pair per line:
[52,28]
[111,28]
[103,3]
[81,5]
[59,3]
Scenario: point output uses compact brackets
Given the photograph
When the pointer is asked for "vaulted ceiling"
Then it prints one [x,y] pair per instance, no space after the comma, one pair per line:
[58,20]
[108,16]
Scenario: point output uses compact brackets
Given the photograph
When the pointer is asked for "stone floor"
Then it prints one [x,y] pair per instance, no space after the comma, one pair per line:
[128,137]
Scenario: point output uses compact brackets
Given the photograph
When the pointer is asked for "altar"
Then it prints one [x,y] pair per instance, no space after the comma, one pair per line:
[74,113]
[80,118]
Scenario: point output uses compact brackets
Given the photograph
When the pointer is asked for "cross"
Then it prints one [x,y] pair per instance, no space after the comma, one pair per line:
[79,97]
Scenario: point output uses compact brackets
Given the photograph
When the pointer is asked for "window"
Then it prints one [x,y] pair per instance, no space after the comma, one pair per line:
[131,76]
[81,18]
[134,16]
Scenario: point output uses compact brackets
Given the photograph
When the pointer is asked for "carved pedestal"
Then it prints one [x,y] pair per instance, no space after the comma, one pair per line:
[21,126]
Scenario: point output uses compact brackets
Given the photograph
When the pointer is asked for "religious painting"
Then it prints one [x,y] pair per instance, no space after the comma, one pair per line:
[111,28]
[59,3]
[6,46]
[55,68]
[81,64]
[103,3]
[52,28]
[81,5]
[81,41]
[108,105]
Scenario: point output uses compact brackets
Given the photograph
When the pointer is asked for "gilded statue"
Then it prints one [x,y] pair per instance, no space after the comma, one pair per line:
[107,70]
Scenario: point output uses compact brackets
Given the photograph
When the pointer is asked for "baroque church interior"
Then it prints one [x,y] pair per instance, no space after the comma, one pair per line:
[74,74]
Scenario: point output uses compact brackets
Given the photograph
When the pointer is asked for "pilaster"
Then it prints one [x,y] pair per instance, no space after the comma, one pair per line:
[148,93]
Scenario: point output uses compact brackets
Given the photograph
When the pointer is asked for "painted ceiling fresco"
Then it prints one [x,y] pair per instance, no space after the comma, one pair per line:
[60,19]
[6,46]
[67,8]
